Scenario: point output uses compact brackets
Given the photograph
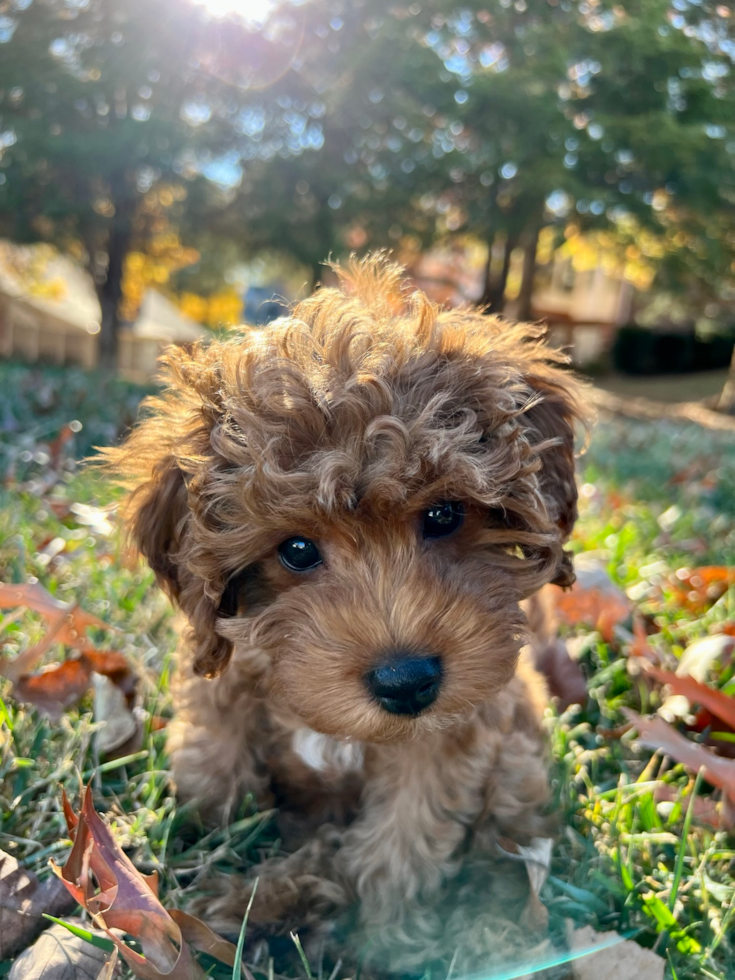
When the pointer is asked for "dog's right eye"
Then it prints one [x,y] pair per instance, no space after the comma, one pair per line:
[299,554]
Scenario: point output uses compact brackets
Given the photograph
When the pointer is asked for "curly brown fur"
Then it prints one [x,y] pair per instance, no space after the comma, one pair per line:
[343,423]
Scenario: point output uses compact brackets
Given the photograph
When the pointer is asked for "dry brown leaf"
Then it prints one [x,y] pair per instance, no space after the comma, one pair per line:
[656,734]
[593,600]
[111,709]
[58,686]
[23,900]
[54,688]
[201,937]
[60,955]
[563,674]
[105,882]
[537,860]
[639,646]
[618,959]
[111,968]
[706,810]
[67,624]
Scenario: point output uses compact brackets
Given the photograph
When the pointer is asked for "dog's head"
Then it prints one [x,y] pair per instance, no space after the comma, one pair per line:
[357,498]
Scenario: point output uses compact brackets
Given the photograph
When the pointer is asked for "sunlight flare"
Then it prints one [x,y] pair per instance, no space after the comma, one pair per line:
[252,11]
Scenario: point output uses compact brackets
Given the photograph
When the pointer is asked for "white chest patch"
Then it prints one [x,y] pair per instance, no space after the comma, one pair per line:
[322,753]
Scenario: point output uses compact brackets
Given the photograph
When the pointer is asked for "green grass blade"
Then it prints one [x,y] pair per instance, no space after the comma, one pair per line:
[297,943]
[684,839]
[237,965]
[89,937]
[674,974]
[5,715]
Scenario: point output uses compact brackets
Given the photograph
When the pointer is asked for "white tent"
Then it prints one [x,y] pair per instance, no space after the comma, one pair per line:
[48,306]
[159,324]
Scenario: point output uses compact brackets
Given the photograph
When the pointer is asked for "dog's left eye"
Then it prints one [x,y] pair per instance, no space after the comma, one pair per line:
[299,554]
[443,519]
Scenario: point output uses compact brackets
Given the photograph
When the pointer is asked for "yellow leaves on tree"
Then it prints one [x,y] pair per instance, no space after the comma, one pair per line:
[221,309]
[153,268]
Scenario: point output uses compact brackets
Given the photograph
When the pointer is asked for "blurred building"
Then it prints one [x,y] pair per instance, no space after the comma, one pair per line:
[159,324]
[584,308]
[49,309]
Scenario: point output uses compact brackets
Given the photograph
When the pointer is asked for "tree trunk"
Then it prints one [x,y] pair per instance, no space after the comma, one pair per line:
[109,291]
[726,401]
[493,295]
[525,296]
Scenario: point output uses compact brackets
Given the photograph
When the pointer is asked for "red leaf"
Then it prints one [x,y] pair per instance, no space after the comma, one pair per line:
[54,688]
[698,588]
[705,808]
[594,600]
[66,624]
[721,705]
[59,686]
[656,734]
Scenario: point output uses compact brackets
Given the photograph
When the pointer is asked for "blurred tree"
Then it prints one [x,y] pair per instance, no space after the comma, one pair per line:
[105,103]
[438,118]
[342,125]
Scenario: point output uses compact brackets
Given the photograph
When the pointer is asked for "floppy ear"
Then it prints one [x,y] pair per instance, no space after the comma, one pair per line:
[156,516]
[551,418]
[167,447]
[158,519]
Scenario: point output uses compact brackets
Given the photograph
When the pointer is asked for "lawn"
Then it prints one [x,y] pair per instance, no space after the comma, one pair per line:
[633,853]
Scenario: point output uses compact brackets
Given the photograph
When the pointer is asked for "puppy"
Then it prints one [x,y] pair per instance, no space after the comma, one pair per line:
[349,507]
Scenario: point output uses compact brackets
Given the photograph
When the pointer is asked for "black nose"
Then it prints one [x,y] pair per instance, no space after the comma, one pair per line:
[406,684]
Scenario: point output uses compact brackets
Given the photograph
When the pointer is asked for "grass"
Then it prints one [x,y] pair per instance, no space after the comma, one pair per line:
[655,497]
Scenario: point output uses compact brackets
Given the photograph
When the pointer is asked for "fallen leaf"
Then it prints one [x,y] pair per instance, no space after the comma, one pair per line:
[111,968]
[59,955]
[700,655]
[639,645]
[104,881]
[656,734]
[537,859]
[56,687]
[111,709]
[67,624]
[608,956]
[698,588]
[563,674]
[23,900]
[706,810]
[721,705]
[593,600]
[200,936]
[56,446]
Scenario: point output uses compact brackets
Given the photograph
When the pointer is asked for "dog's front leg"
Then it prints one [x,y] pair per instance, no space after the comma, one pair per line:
[217,744]
[417,808]
[296,892]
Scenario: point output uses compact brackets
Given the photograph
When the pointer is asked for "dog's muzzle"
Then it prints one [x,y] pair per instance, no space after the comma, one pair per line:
[406,684]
